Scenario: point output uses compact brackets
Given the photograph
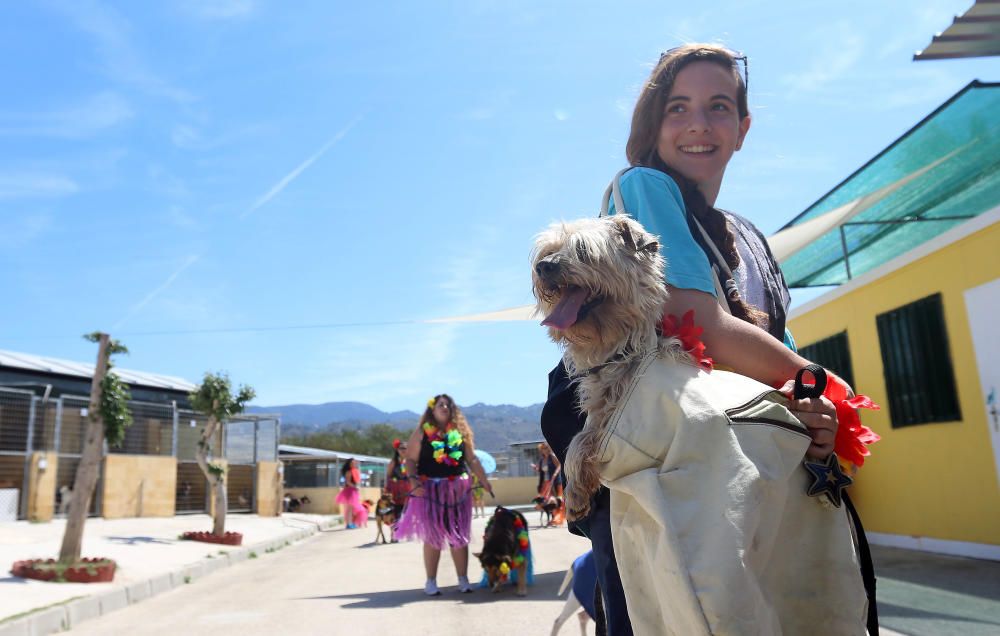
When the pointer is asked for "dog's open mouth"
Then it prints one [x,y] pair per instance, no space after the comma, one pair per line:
[572,307]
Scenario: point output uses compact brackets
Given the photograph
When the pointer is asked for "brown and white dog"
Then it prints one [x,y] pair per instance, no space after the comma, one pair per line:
[506,551]
[385,515]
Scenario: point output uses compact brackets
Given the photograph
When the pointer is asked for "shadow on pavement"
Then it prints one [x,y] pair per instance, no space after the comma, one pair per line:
[138,540]
[907,620]
[969,577]
[13,579]
[544,588]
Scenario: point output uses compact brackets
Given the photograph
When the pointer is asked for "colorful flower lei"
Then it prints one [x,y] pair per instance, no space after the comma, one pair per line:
[446,446]
[523,547]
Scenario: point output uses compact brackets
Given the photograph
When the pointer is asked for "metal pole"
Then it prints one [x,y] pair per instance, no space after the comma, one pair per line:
[173,437]
[843,246]
[59,415]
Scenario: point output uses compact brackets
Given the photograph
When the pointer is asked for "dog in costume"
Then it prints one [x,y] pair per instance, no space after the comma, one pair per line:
[506,554]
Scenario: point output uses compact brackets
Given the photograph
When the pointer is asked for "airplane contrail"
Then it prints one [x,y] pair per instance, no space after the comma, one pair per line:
[291,176]
[191,260]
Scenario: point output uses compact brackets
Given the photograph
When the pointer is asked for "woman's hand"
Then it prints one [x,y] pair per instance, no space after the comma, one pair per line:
[820,417]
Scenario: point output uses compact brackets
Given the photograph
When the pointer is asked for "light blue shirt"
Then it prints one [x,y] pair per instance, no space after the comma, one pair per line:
[653,199]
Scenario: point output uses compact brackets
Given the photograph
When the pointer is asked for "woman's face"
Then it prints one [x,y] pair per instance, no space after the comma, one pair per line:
[701,127]
[442,411]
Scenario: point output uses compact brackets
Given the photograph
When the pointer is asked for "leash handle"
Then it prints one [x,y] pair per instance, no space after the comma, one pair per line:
[815,390]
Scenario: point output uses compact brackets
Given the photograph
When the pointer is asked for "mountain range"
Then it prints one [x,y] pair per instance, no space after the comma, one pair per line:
[495,426]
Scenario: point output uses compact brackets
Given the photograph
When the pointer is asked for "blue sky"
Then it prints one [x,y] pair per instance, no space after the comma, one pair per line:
[198,167]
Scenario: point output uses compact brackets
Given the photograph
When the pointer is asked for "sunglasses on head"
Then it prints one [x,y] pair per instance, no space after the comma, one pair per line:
[737,57]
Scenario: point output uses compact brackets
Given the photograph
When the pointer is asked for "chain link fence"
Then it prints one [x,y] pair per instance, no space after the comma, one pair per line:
[30,423]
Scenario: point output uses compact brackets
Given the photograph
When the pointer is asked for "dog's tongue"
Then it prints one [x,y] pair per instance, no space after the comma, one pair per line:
[564,314]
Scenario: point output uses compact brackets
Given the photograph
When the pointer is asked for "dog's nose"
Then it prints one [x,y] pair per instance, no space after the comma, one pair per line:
[547,268]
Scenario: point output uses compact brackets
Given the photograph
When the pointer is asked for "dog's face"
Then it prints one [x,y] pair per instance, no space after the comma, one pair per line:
[497,568]
[597,280]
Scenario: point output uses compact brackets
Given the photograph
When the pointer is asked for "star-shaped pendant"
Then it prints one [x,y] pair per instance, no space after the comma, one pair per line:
[827,479]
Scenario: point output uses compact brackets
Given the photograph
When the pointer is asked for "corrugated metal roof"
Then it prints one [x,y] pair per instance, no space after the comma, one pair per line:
[954,153]
[287,449]
[44,364]
[976,33]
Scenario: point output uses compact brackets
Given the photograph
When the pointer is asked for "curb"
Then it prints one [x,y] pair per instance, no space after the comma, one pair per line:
[68,615]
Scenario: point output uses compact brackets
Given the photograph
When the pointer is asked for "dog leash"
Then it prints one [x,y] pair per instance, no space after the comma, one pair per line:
[827,478]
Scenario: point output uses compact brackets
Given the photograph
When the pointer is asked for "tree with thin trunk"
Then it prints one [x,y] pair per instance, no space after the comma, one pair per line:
[214,398]
[107,418]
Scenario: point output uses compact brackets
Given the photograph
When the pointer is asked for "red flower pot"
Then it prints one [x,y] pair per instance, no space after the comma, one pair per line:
[84,571]
[229,538]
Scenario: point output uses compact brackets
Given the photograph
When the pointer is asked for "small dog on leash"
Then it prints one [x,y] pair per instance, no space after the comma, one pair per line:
[385,515]
[547,508]
[506,551]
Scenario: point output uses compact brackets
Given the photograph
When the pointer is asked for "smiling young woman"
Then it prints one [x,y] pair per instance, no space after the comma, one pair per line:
[690,119]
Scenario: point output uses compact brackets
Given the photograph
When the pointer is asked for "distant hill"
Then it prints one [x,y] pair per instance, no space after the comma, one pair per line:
[495,426]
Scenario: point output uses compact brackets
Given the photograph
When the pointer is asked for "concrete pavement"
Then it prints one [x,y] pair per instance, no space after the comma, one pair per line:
[150,557]
[333,581]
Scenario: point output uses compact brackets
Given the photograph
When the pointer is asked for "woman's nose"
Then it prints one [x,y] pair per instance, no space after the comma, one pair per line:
[698,121]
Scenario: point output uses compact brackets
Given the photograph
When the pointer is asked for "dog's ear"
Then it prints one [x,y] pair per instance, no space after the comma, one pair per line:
[626,232]
[478,555]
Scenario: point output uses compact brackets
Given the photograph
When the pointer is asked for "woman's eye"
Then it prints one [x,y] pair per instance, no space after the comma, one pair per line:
[676,108]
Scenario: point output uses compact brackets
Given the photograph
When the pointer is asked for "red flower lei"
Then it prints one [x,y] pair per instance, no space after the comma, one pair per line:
[690,336]
[853,437]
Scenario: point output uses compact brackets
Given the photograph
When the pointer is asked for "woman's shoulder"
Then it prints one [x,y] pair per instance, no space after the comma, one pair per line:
[643,176]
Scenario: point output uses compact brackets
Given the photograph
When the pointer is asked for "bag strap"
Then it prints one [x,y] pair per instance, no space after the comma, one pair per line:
[613,191]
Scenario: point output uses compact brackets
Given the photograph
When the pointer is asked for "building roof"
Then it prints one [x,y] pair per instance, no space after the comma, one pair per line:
[287,451]
[939,174]
[43,364]
[976,33]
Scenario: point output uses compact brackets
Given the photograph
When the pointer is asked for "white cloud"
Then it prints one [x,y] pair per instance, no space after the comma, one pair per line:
[560,115]
[839,48]
[86,119]
[122,59]
[24,185]
[179,217]
[23,230]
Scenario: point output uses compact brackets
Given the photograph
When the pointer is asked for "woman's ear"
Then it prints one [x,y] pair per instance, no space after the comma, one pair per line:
[744,129]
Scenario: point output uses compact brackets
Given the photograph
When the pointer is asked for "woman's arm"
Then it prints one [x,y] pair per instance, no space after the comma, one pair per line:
[412,457]
[477,468]
[751,351]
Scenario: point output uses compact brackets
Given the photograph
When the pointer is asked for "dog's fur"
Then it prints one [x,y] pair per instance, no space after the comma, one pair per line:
[547,508]
[292,504]
[600,284]
[385,515]
[500,545]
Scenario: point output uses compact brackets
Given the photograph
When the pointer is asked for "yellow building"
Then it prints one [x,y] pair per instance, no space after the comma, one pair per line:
[912,242]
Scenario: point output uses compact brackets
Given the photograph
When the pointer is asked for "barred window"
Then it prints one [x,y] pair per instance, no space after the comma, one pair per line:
[917,365]
[832,353]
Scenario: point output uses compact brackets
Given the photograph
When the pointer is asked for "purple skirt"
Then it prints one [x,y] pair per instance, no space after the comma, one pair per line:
[439,514]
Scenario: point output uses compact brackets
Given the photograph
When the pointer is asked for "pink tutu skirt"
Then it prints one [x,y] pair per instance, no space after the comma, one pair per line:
[439,514]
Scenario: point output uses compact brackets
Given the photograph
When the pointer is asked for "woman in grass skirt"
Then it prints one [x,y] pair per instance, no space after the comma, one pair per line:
[349,498]
[439,510]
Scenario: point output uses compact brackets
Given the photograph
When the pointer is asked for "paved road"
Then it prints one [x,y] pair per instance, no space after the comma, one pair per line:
[340,583]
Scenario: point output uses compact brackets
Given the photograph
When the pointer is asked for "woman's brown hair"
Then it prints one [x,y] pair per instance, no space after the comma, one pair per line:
[641,151]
